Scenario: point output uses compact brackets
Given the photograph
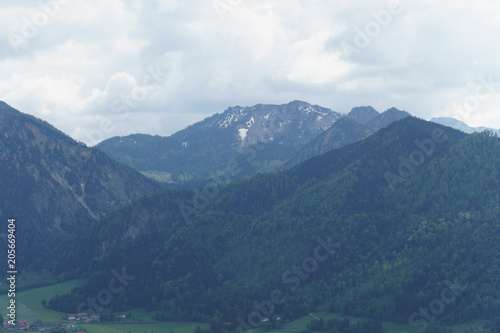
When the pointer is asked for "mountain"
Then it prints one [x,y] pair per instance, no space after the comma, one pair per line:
[362,114]
[368,116]
[207,146]
[389,227]
[386,118]
[461,126]
[275,136]
[357,125]
[343,132]
[55,186]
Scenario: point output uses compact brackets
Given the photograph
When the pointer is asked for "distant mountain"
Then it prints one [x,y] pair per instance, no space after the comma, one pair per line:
[357,125]
[362,114]
[461,126]
[55,186]
[386,118]
[368,116]
[260,138]
[208,147]
[392,227]
[343,132]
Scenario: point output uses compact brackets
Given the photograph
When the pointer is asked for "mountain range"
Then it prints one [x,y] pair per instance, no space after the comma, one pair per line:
[279,136]
[378,228]
[379,215]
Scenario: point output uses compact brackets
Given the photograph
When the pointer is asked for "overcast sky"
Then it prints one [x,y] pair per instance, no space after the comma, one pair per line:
[97,69]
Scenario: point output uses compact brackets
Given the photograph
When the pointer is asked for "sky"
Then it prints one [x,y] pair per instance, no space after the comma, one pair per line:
[98,69]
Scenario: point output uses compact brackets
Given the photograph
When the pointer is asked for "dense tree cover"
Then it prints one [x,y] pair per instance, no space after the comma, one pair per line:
[423,251]
[337,325]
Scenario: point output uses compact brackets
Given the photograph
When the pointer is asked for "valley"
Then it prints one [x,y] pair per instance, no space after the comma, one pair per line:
[140,320]
[231,166]
[383,219]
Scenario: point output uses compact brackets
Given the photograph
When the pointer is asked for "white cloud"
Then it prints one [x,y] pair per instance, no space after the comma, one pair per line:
[175,63]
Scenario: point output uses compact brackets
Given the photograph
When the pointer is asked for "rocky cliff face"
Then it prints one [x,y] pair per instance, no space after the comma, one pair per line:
[293,124]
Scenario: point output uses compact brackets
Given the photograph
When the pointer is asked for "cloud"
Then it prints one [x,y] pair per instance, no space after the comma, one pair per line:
[170,63]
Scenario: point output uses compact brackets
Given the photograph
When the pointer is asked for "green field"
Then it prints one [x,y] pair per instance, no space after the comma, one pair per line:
[28,303]
[29,308]
[141,328]
[389,327]
[141,314]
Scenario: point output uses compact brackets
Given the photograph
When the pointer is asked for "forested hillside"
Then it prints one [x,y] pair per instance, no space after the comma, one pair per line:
[402,221]
[54,186]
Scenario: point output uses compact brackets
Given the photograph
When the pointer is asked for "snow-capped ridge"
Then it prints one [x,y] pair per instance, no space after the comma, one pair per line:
[296,121]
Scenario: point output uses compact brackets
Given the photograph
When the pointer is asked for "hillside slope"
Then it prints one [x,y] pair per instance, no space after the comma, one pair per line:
[402,215]
[54,186]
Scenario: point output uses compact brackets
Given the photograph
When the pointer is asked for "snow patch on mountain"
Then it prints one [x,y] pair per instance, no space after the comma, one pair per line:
[243,133]
[233,115]
[250,122]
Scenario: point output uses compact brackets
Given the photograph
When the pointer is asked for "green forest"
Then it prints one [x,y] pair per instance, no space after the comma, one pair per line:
[402,226]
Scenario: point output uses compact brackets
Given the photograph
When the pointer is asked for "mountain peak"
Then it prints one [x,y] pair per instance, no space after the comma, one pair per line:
[362,114]
[298,103]
[386,118]
[395,110]
[282,129]
[293,123]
